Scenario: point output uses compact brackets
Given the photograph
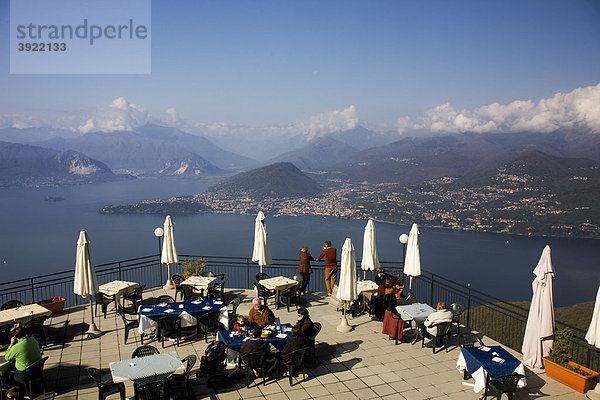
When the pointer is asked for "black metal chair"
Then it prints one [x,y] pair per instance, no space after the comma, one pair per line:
[135,297]
[169,327]
[294,363]
[106,386]
[253,361]
[35,326]
[165,298]
[312,340]
[207,274]
[261,275]
[184,378]
[128,324]
[5,334]
[232,314]
[502,384]
[208,322]
[189,294]
[217,291]
[457,310]
[34,373]
[144,351]
[264,293]
[288,296]
[468,339]
[103,301]
[299,279]
[152,391]
[11,304]
[177,279]
[442,333]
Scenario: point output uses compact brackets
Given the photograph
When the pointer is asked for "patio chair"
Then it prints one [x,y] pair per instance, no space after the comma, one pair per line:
[217,291]
[165,298]
[311,340]
[5,333]
[34,373]
[152,390]
[253,361]
[294,362]
[128,324]
[232,314]
[184,378]
[106,386]
[502,384]
[144,351]
[287,296]
[189,294]
[103,301]
[261,275]
[135,297]
[11,304]
[169,327]
[177,279]
[35,326]
[208,322]
[468,339]
[264,293]
[442,333]
[207,274]
[299,279]
[457,310]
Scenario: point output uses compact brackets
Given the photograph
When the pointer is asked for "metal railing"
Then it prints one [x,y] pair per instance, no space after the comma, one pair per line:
[498,319]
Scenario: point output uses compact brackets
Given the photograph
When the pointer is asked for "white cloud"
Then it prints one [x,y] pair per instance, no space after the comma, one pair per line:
[576,110]
[332,121]
[120,115]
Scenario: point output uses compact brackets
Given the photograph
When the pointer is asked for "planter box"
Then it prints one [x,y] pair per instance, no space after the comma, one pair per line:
[570,378]
[54,305]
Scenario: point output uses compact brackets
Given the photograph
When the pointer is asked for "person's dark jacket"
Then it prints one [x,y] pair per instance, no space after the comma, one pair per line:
[307,328]
[380,280]
[305,259]
[254,345]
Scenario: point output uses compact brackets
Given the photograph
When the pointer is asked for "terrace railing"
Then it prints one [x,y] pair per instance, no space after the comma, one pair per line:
[501,320]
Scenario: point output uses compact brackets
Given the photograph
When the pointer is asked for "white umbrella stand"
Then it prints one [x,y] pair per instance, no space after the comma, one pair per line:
[85,282]
[347,291]
[412,264]
[593,338]
[370,261]
[169,252]
[261,252]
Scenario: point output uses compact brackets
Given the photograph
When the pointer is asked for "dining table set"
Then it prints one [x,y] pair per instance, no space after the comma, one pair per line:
[188,311]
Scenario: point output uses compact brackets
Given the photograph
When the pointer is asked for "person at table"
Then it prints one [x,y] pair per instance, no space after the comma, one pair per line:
[330,254]
[441,315]
[304,324]
[257,344]
[240,324]
[260,314]
[23,350]
[296,342]
[380,280]
[304,269]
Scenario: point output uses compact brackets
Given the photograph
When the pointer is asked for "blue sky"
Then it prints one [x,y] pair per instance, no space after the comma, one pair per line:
[274,63]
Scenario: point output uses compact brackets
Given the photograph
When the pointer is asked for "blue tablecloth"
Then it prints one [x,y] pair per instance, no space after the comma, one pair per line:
[476,358]
[235,342]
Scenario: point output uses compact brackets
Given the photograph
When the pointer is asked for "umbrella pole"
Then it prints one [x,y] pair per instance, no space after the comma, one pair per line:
[410,285]
[344,326]
[168,284]
[364,274]
[92,332]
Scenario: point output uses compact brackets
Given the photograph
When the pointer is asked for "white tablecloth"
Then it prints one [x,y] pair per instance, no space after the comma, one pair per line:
[186,320]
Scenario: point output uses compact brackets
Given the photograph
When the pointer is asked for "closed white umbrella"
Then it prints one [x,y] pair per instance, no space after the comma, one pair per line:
[261,252]
[347,290]
[593,334]
[370,261]
[85,282]
[412,263]
[169,252]
[539,331]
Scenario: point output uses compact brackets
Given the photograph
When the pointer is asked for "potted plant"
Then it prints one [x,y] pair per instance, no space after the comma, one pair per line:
[193,267]
[559,367]
[56,304]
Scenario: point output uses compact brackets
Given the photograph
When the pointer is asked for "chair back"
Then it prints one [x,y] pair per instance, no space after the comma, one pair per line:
[190,362]
[508,383]
[35,325]
[263,292]
[207,274]
[443,329]
[254,360]
[144,351]
[457,309]
[261,275]
[290,291]
[11,304]
[177,279]
[152,391]
[317,329]
[235,303]
[298,278]
[169,323]
[36,369]
[96,376]
[165,298]
[468,339]
[210,319]
[296,358]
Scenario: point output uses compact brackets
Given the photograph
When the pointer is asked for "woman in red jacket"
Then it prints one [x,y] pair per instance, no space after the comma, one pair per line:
[330,266]
[304,269]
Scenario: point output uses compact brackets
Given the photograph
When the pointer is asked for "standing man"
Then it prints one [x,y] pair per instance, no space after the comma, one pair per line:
[304,269]
[330,266]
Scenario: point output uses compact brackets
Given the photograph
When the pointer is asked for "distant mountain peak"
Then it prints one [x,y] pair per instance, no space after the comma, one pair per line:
[190,165]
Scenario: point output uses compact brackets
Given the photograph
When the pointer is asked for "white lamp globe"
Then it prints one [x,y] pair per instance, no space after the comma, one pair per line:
[158,232]
[403,238]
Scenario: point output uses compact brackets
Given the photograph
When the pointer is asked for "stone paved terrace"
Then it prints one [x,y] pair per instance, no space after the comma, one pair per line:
[362,364]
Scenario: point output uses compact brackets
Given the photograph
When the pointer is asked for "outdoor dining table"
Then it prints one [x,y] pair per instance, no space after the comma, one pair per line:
[22,314]
[234,341]
[493,361]
[417,313]
[149,314]
[117,289]
[200,283]
[278,284]
[154,368]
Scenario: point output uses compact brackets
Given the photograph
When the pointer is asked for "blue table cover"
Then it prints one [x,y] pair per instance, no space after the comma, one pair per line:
[235,342]
[475,358]
[194,308]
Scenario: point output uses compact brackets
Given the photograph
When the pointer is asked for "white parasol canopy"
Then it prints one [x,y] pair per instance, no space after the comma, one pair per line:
[370,261]
[169,252]
[85,281]
[539,331]
[261,252]
[347,290]
[412,263]
[593,334]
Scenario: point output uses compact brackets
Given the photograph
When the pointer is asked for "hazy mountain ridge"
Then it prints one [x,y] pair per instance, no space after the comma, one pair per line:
[319,153]
[190,165]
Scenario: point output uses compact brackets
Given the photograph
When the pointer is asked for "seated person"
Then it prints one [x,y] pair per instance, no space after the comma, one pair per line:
[437,317]
[296,342]
[240,324]
[23,350]
[385,302]
[257,344]
[306,326]
[260,314]
[380,280]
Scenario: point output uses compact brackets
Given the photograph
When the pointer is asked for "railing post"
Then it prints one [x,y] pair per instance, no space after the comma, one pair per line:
[120,277]
[248,273]
[32,290]
[468,304]
[431,294]
[589,356]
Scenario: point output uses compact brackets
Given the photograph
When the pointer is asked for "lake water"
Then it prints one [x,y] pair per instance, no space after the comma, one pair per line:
[39,237]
